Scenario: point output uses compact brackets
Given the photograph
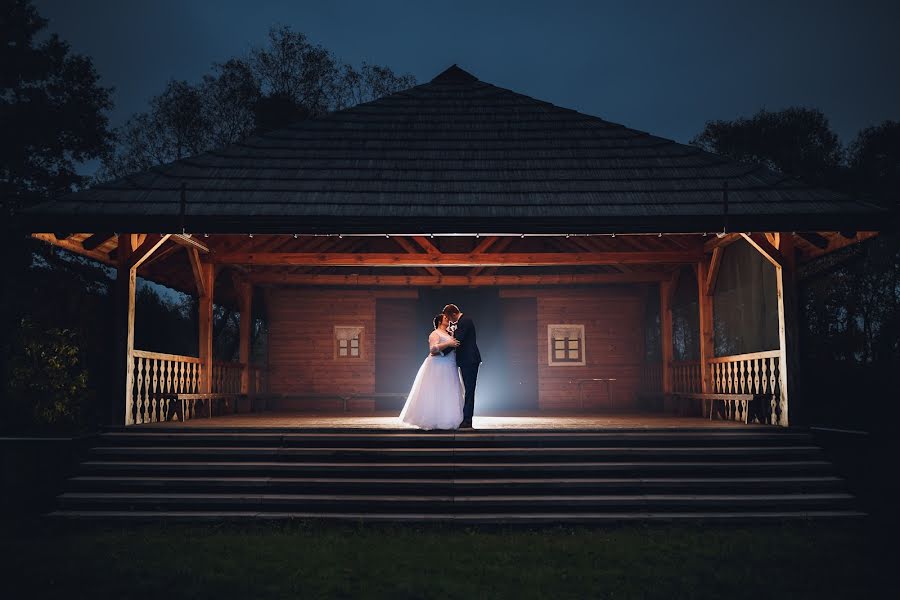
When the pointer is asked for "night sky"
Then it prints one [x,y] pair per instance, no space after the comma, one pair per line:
[665,67]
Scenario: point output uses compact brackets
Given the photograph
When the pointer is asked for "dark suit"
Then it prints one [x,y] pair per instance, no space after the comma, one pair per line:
[467,359]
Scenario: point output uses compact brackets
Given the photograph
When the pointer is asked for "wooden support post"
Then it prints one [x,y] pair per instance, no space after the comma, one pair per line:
[245,299]
[122,409]
[788,330]
[665,325]
[705,304]
[205,321]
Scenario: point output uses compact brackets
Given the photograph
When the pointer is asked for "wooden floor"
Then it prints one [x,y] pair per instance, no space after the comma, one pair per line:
[388,421]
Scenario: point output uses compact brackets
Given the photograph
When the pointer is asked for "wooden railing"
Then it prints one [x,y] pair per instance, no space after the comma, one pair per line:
[651,378]
[686,376]
[226,378]
[154,373]
[259,381]
[755,373]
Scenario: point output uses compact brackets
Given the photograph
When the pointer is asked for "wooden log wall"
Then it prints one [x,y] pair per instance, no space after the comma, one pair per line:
[613,319]
[302,362]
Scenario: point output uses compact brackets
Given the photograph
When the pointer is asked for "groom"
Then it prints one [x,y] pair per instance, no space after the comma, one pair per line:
[467,358]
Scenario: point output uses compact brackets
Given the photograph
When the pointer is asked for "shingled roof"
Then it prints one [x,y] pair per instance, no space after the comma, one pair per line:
[455,155]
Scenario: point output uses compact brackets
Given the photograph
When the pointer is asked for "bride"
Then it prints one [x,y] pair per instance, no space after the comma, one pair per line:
[436,398]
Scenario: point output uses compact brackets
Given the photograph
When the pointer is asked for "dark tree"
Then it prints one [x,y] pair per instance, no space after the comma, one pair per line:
[288,80]
[52,116]
[796,141]
[874,161]
[52,109]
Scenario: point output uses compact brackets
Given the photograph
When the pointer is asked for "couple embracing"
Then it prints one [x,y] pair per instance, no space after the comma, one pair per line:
[438,399]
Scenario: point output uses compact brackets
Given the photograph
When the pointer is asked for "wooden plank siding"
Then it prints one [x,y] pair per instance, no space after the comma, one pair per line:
[301,344]
[613,323]
[301,357]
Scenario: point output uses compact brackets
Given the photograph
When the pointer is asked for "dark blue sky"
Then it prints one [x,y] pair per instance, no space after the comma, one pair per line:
[665,67]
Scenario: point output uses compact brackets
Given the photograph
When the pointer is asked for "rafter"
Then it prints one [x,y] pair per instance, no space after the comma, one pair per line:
[761,243]
[498,246]
[454,280]
[410,249]
[484,244]
[94,241]
[151,242]
[197,269]
[426,244]
[379,259]
[720,242]
[713,273]
[819,241]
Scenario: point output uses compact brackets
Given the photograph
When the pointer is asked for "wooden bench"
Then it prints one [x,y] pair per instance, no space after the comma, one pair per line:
[181,401]
[732,402]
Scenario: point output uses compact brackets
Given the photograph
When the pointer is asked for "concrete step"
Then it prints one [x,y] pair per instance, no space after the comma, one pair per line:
[454,469]
[357,438]
[329,503]
[509,453]
[526,518]
[469,486]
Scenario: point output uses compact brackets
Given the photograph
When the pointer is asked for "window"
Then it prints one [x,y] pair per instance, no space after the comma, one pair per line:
[565,345]
[348,341]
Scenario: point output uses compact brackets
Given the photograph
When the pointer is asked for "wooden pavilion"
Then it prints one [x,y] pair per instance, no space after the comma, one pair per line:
[344,225]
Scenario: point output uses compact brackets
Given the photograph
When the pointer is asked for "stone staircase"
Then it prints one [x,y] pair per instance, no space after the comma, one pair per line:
[750,474]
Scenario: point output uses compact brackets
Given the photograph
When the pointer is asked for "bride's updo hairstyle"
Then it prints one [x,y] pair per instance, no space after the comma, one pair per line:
[437,320]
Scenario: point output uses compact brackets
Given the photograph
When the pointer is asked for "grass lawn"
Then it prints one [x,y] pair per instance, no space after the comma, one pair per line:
[314,560]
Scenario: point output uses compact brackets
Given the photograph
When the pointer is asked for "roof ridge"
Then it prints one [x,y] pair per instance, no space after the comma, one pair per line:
[454,74]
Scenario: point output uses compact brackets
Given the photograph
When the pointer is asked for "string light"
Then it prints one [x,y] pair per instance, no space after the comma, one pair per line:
[340,236]
[206,235]
[251,235]
[295,236]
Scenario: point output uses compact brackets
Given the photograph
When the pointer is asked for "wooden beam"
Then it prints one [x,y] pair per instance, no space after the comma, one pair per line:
[205,321]
[197,269]
[713,271]
[96,240]
[705,306]
[774,239]
[410,249]
[665,330]
[161,254]
[121,409]
[75,247]
[245,298]
[189,241]
[454,280]
[498,246]
[484,244]
[151,242]
[819,241]
[788,331]
[426,244]
[837,242]
[720,242]
[769,252]
[346,259]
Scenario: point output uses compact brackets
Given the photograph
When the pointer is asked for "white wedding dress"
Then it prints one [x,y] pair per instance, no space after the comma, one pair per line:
[436,398]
